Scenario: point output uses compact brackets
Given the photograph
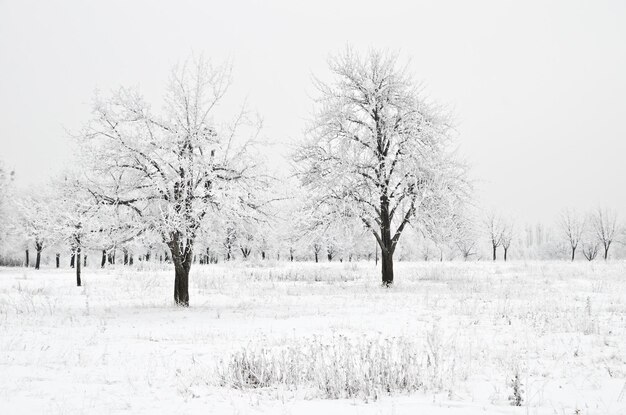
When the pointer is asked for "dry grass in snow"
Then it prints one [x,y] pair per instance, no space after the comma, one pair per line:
[337,366]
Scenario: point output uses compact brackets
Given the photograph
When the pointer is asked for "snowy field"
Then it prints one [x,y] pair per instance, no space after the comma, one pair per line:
[119,345]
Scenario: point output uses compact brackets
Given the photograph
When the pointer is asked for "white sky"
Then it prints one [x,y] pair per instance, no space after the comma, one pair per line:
[539,87]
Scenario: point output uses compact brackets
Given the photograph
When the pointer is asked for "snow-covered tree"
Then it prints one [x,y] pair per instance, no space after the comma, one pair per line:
[246,241]
[78,220]
[508,233]
[287,236]
[590,250]
[356,240]
[572,227]
[376,150]
[465,237]
[441,223]
[172,169]
[117,228]
[316,246]
[604,226]
[38,214]
[494,227]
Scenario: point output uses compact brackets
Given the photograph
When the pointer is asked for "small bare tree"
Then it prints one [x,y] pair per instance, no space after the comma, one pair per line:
[590,251]
[331,250]
[317,248]
[604,226]
[507,235]
[573,227]
[494,227]
[441,225]
[465,238]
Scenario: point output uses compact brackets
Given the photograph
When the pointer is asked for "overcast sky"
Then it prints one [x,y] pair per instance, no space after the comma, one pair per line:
[538,87]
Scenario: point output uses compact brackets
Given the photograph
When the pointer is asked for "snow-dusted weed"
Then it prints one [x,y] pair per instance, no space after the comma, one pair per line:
[334,367]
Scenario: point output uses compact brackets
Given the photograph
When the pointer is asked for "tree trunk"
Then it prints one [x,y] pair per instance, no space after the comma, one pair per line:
[85,260]
[58,258]
[573,252]
[130,259]
[72,259]
[387,267]
[27,259]
[386,246]
[125,257]
[606,252]
[182,265]
[181,284]
[104,258]
[505,251]
[78,282]
[316,259]
[38,259]
[494,252]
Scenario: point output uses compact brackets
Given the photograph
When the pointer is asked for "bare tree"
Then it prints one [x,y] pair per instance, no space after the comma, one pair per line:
[495,229]
[317,248]
[376,150]
[172,170]
[447,225]
[572,226]
[508,233]
[590,251]
[604,226]
[440,227]
[246,242]
[230,239]
[465,238]
[467,248]
[331,250]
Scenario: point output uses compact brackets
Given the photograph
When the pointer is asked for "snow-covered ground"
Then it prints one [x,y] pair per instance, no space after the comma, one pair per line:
[119,345]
